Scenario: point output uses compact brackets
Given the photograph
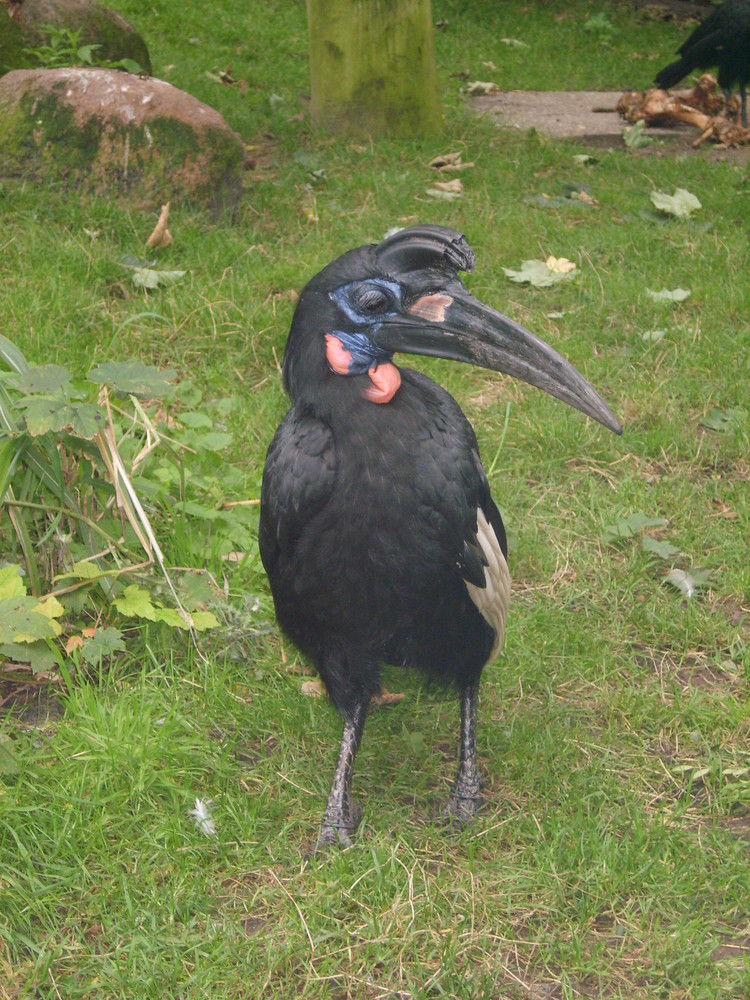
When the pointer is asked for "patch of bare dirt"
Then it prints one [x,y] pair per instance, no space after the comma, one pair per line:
[693,671]
[36,705]
[590,117]
[739,948]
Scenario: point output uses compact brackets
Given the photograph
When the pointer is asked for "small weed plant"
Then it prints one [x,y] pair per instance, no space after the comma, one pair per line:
[64,49]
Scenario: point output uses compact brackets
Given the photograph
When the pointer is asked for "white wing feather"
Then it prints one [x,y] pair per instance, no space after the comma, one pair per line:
[493,599]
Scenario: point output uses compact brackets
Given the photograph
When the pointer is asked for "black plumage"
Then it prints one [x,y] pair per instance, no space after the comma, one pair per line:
[722,40]
[380,538]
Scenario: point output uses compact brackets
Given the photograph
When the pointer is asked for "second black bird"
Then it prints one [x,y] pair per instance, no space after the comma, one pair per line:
[722,40]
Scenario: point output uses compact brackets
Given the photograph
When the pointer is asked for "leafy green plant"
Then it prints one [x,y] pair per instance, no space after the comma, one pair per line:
[63,49]
[84,469]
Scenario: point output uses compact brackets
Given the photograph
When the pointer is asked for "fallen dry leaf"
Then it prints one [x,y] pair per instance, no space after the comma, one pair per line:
[560,265]
[74,642]
[161,236]
[480,87]
[313,689]
[452,187]
[308,206]
[587,199]
[386,697]
[449,162]
[300,670]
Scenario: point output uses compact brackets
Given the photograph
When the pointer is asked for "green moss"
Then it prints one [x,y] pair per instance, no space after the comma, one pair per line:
[357,56]
[40,139]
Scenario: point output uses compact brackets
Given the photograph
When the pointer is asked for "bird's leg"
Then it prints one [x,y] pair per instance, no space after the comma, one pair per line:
[743,103]
[343,814]
[465,795]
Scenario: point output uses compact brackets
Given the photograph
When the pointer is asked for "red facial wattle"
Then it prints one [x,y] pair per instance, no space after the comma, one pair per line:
[384,376]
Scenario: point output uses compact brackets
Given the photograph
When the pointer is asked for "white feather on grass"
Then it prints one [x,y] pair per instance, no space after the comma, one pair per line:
[203,818]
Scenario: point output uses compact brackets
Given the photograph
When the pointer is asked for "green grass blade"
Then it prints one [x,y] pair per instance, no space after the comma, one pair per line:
[11,356]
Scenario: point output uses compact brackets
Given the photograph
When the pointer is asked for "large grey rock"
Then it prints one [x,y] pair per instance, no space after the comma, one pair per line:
[115,134]
[22,26]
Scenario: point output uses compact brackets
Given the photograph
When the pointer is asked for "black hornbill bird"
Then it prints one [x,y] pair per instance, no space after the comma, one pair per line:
[380,538]
[722,40]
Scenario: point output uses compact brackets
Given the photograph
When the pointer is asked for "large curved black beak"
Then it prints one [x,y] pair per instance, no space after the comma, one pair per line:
[453,324]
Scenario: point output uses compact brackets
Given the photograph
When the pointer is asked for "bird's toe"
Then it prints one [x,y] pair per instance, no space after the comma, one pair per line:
[338,827]
[460,810]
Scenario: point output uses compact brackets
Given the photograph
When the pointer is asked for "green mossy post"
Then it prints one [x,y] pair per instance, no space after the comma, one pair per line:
[372,66]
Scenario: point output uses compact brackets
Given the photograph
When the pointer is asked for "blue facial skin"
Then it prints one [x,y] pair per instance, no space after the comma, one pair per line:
[384,299]
[364,354]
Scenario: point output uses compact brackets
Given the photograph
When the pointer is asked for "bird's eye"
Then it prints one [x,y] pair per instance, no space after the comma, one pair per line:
[371,301]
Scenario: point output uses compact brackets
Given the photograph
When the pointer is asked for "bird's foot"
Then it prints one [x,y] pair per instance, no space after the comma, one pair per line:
[338,827]
[465,799]
[460,810]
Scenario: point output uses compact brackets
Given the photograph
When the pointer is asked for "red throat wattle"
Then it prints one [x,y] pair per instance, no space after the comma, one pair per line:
[385,379]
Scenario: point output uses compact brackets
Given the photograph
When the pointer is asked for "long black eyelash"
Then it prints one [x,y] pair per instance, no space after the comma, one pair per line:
[372,300]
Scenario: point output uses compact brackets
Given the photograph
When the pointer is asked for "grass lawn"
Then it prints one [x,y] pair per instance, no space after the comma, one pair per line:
[611,859]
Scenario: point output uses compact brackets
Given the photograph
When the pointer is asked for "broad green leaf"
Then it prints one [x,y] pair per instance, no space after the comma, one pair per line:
[537,273]
[225,405]
[50,607]
[200,620]
[104,642]
[661,549]
[136,603]
[146,277]
[634,136]
[85,53]
[653,336]
[188,393]
[194,509]
[11,583]
[171,617]
[214,440]
[130,65]
[8,763]
[203,620]
[681,204]
[37,654]
[57,413]
[81,571]
[665,295]
[628,527]
[22,619]
[46,379]
[724,420]
[133,378]
[195,589]
[196,420]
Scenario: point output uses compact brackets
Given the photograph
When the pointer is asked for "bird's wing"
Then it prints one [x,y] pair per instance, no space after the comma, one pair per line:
[473,560]
[298,479]
[489,589]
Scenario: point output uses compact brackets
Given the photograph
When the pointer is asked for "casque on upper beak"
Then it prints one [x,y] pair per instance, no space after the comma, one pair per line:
[450,323]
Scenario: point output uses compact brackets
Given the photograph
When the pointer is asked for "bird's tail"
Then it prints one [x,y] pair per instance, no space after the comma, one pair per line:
[672,74]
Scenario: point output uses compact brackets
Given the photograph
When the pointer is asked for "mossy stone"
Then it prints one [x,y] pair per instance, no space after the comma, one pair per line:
[117,135]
